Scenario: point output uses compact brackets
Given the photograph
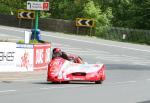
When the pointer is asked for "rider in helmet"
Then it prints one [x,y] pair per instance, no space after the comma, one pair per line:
[58,53]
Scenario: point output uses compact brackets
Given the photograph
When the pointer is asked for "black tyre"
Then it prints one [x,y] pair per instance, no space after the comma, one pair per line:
[65,82]
[55,82]
[98,82]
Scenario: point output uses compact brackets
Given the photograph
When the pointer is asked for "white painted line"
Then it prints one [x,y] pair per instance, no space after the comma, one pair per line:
[58,44]
[125,82]
[135,49]
[99,43]
[13,29]
[63,87]
[140,63]
[76,51]
[109,59]
[148,79]
[29,79]
[88,54]
[6,36]
[26,80]
[5,91]
[99,51]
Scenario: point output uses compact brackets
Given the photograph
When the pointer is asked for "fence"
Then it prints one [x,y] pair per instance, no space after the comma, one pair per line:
[127,35]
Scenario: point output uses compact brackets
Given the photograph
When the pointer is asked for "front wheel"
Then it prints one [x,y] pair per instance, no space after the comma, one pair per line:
[98,82]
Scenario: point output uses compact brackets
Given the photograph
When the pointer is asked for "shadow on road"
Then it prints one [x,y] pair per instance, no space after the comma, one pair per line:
[65,83]
[148,101]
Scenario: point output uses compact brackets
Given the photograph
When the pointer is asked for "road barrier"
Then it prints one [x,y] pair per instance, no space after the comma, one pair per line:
[24,57]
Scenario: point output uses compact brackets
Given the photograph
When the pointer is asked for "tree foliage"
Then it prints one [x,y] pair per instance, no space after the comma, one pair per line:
[129,13]
[122,13]
[72,9]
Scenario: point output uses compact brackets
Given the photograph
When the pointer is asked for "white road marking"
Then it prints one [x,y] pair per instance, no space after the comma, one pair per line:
[60,45]
[102,56]
[5,91]
[148,79]
[125,82]
[99,43]
[109,59]
[6,35]
[11,28]
[130,48]
[30,79]
[124,59]
[77,51]
[99,51]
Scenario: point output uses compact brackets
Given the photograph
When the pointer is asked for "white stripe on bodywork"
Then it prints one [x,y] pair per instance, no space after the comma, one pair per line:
[69,67]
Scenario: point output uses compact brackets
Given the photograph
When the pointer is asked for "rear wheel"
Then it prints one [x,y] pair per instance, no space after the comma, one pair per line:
[55,82]
[65,82]
[98,82]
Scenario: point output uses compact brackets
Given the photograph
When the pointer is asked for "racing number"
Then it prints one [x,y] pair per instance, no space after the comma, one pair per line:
[8,56]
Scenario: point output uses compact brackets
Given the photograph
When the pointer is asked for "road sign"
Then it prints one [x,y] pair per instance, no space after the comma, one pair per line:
[26,14]
[35,5]
[85,22]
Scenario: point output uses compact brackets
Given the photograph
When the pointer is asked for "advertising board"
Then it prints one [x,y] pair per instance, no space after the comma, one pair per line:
[7,56]
[24,57]
[41,55]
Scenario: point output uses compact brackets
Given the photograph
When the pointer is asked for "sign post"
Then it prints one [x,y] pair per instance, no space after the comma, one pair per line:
[36,21]
[37,5]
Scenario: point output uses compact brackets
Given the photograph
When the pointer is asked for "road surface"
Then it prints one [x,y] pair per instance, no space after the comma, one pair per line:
[127,72]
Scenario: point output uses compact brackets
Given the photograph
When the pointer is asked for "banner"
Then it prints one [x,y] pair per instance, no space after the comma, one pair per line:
[24,57]
[7,56]
[41,55]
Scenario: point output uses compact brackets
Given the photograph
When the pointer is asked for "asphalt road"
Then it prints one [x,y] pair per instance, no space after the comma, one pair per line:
[127,73]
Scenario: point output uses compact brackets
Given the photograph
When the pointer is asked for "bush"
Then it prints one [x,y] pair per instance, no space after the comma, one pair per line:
[31,41]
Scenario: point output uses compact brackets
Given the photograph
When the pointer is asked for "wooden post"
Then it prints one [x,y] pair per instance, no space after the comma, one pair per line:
[90,31]
[32,24]
[77,30]
[19,22]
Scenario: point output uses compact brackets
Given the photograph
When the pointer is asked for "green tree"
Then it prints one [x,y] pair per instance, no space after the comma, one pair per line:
[102,19]
[11,6]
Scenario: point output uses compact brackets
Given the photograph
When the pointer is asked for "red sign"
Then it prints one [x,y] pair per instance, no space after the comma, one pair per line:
[41,55]
[46,6]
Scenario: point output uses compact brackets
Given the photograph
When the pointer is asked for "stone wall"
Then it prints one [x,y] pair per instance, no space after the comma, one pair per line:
[50,24]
